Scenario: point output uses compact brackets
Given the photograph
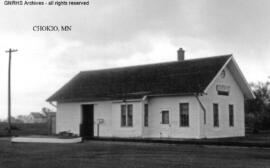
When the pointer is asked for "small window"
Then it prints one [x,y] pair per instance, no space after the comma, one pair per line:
[215,115]
[127,115]
[223,93]
[165,117]
[223,90]
[146,115]
[184,114]
[231,115]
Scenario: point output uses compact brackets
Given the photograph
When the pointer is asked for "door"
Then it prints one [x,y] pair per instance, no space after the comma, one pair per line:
[165,124]
[87,124]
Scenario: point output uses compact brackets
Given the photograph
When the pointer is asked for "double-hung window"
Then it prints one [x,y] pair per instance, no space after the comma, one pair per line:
[231,115]
[146,115]
[215,115]
[184,114]
[127,115]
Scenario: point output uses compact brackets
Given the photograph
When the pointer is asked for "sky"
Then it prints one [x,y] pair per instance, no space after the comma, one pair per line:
[115,33]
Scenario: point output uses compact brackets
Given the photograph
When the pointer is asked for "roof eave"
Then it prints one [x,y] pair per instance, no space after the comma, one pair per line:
[249,93]
[112,99]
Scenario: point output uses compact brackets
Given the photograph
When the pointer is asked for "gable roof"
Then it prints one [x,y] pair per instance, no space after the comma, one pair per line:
[178,77]
[239,78]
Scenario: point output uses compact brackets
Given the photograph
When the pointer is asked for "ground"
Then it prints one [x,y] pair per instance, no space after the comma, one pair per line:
[128,154]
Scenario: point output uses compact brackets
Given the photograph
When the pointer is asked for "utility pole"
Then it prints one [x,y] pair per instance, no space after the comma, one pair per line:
[10,51]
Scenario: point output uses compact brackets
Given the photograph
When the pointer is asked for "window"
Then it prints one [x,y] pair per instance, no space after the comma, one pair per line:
[127,115]
[146,115]
[123,115]
[223,93]
[223,90]
[130,115]
[184,114]
[215,112]
[165,117]
[204,116]
[231,117]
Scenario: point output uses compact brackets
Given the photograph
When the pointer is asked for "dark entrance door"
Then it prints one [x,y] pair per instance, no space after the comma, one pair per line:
[87,125]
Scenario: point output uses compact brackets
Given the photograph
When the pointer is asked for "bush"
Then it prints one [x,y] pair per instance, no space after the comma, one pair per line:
[66,134]
[13,127]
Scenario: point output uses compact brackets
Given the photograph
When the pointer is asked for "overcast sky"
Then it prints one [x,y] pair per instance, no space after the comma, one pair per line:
[113,33]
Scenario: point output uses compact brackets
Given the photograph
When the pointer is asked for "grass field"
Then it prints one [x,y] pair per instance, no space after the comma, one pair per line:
[105,154]
[125,155]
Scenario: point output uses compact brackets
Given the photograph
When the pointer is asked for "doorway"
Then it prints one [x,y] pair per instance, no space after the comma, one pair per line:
[87,124]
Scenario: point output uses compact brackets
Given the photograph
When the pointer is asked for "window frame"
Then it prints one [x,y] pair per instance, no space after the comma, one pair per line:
[126,115]
[182,117]
[216,115]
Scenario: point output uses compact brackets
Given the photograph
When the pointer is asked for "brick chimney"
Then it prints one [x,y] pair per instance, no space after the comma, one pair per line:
[181,54]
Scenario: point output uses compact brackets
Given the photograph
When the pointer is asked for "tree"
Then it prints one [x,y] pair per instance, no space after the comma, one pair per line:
[258,109]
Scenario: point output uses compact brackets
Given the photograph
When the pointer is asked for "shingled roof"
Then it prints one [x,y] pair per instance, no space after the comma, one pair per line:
[178,77]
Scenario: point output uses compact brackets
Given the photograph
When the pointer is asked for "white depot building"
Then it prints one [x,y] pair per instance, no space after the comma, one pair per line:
[198,98]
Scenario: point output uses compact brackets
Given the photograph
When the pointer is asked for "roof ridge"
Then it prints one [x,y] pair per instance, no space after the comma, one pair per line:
[158,63]
[209,57]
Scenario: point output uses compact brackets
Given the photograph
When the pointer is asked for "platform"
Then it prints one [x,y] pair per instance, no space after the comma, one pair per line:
[45,139]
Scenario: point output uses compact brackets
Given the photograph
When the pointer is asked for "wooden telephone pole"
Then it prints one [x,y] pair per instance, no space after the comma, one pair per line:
[10,51]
